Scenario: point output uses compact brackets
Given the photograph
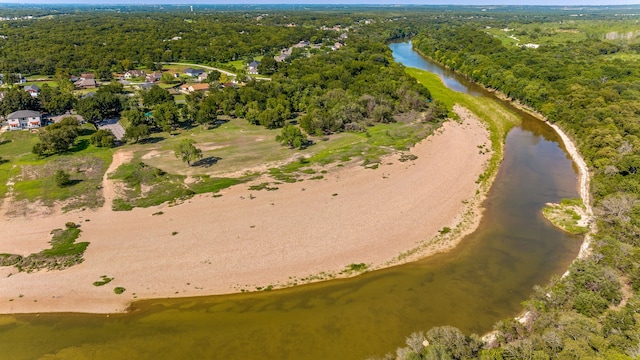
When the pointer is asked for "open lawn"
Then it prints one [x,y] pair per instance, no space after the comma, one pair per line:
[50,83]
[237,151]
[236,147]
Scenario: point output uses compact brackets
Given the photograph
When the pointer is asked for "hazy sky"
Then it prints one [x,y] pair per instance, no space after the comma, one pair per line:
[379,2]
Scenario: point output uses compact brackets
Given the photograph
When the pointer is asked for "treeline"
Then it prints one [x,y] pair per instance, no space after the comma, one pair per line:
[123,41]
[593,312]
[343,90]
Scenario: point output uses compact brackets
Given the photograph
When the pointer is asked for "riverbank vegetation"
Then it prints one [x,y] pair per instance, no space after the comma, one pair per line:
[64,252]
[569,215]
[579,74]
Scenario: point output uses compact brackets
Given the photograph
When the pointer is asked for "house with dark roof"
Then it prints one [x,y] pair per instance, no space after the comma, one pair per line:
[33,90]
[86,81]
[252,68]
[193,72]
[24,119]
[153,77]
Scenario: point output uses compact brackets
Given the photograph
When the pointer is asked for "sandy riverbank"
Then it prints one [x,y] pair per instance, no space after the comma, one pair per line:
[245,239]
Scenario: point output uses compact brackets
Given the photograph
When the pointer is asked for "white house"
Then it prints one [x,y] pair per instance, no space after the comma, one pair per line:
[252,68]
[134,74]
[193,72]
[33,90]
[24,119]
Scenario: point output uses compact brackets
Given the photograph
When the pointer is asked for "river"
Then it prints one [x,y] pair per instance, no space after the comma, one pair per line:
[482,280]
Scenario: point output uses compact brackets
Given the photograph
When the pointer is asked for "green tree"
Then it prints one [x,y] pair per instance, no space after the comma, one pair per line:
[207,114]
[292,137]
[136,132]
[15,99]
[166,115]
[268,65]
[57,138]
[156,95]
[167,78]
[187,151]
[56,101]
[62,178]
[213,77]
[103,138]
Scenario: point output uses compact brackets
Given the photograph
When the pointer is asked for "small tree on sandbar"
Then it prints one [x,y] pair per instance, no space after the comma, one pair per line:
[186,151]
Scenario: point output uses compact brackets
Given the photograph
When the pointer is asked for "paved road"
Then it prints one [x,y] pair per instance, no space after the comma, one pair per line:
[229,73]
[114,126]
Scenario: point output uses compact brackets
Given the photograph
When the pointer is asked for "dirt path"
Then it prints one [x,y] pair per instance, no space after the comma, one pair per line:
[109,188]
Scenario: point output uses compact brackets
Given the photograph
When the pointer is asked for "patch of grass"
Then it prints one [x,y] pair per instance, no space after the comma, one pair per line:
[149,186]
[280,175]
[119,290]
[64,252]
[354,268]
[407,157]
[212,185]
[445,230]
[358,267]
[263,186]
[566,215]
[104,280]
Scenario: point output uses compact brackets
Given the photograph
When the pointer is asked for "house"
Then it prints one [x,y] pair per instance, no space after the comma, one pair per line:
[252,68]
[203,77]
[153,77]
[33,90]
[302,44]
[192,72]
[189,88]
[86,81]
[134,74]
[14,79]
[284,55]
[144,86]
[24,119]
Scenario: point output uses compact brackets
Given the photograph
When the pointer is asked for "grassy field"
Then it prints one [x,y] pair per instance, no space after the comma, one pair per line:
[237,145]
[31,178]
[51,83]
[237,151]
[554,33]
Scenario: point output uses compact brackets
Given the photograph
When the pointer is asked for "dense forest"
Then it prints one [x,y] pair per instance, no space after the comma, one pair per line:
[333,90]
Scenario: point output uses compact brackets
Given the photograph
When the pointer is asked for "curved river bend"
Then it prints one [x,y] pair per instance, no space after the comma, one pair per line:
[482,280]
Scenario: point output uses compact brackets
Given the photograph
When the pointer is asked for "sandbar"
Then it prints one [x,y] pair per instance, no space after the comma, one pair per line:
[247,239]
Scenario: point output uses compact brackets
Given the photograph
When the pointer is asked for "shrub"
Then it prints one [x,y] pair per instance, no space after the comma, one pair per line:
[62,178]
